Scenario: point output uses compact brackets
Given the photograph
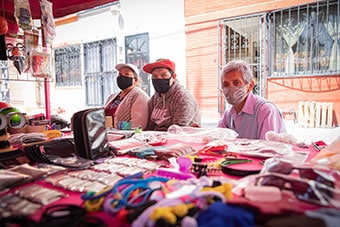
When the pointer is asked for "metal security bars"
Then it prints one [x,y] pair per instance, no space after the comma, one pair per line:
[241,38]
[306,40]
[99,72]
[67,66]
[4,82]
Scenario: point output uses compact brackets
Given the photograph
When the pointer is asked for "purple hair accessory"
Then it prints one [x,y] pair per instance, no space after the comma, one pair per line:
[180,169]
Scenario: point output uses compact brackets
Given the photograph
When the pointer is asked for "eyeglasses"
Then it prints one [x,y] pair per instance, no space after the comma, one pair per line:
[305,190]
[279,166]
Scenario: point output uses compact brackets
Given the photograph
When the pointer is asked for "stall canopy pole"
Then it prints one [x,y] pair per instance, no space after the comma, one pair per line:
[46,81]
[47,98]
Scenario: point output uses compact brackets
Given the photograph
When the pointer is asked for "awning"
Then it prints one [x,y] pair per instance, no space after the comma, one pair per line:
[61,8]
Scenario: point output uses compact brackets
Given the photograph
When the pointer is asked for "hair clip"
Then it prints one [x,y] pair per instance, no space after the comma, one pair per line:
[180,169]
[63,214]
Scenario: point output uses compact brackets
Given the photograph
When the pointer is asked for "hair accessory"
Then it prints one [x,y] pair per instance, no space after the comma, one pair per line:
[180,169]
[94,201]
[128,193]
[198,198]
[214,148]
[235,171]
[171,213]
[63,214]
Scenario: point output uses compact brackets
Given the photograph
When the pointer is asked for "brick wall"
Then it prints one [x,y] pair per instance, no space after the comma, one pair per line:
[201,21]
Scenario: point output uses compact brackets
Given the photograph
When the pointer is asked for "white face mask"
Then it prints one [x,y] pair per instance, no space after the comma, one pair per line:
[235,95]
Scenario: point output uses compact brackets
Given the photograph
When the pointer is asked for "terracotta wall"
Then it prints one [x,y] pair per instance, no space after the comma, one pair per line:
[202,67]
[287,93]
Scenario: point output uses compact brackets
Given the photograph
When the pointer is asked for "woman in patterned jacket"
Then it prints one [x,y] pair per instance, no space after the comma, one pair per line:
[130,104]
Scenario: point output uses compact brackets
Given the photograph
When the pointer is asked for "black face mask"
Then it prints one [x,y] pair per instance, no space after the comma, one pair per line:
[124,82]
[161,85]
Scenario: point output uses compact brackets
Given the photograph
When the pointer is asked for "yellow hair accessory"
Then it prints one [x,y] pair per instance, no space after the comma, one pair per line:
[181,210]
[170,214]
[164,213]
[224,189]
[94,205]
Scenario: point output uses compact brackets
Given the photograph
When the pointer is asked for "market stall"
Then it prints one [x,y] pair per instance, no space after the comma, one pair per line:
[183,177]
[27,46]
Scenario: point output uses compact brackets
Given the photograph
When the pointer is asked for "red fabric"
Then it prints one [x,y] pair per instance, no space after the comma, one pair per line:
[3,25]
[60,7]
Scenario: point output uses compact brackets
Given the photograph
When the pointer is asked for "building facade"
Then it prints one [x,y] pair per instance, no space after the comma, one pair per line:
[86,48]
[292,46]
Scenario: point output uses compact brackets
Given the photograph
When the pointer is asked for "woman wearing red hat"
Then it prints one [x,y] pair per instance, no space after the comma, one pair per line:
[171,103]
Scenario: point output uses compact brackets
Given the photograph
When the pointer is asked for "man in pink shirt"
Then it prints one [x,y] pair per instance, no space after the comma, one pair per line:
[250,116]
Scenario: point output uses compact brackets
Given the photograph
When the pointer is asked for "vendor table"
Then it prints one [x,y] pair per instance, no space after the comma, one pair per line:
[263,209]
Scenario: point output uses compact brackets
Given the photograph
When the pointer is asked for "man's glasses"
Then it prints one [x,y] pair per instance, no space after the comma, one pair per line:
[305,190]
[279,166]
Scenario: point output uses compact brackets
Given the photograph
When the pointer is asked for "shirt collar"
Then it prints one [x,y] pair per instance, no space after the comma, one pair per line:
[248,106]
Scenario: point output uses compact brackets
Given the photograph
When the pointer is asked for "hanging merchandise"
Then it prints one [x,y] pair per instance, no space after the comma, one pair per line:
[31,40]
[3,30]
[12,119]
[16,54]
[16,120]
[22,14]
[47,21]
[40,64]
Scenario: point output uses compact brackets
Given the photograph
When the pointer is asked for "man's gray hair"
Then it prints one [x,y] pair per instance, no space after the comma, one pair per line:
[241,66]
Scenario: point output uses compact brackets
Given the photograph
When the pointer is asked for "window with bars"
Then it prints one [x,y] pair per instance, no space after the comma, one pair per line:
[137,53]
[67,66]
[306,40]
[240,39]
[99,72]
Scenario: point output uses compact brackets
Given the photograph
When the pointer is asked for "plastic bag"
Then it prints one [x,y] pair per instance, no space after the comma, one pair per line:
[200,135]
[40,64]
[47,21]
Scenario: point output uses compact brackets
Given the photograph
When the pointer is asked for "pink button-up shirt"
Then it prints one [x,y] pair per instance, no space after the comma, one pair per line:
[257,117]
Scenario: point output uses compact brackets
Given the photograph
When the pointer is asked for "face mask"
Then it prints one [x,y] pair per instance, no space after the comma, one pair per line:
[235,95]
[161,85]
[124,82]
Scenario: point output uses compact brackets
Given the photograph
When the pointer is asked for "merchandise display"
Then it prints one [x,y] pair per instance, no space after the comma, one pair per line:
[169,178]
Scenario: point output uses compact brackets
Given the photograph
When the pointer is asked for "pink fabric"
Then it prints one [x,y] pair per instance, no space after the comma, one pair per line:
[257,117]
